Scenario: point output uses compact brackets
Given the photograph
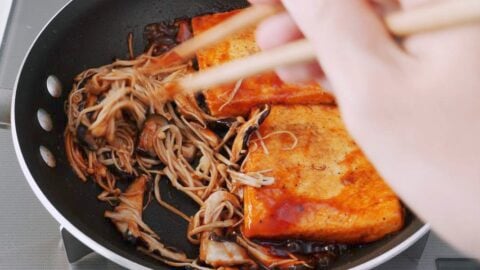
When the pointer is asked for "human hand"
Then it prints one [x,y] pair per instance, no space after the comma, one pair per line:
[413,106]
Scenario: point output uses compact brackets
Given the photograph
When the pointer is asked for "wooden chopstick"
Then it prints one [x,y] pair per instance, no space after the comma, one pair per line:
[292,53]
[244,19]
[186,50]
[427,18]
[433,17]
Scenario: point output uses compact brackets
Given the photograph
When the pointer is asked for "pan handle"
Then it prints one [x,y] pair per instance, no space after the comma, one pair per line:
[5,103]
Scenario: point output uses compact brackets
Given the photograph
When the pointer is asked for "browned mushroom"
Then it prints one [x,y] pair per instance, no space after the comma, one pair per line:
[149,134]
[217,214]
[127,217]
[240,144]
[127,214]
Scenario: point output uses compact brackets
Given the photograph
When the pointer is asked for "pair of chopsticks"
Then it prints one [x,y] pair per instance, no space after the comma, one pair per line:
[431,17]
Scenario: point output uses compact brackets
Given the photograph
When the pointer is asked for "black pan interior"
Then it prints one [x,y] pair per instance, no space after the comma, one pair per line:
[91,33]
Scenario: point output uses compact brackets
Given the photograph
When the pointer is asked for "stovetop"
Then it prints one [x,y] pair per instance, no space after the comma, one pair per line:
[30,236]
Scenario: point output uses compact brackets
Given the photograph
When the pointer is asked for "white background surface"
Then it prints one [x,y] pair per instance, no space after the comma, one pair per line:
[30,238]
[4,11]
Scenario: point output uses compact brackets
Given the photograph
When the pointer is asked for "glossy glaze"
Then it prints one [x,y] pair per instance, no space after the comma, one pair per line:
[325,188]
[261,89]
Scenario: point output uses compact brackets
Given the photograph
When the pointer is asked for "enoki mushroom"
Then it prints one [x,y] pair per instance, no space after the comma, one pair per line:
[122,128]
[262,139]
[232,94]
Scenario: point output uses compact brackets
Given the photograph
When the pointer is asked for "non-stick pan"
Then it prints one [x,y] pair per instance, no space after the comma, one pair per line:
[91,33]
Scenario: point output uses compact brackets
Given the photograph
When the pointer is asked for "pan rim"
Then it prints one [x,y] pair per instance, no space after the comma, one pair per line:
[66,224]
[108,253]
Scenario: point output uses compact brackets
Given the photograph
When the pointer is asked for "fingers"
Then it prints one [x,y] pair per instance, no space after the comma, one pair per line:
[348,36]
[276,31]
[279,30]
[301,73]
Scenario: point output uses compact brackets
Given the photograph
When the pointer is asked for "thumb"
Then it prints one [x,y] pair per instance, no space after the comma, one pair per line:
[349,38]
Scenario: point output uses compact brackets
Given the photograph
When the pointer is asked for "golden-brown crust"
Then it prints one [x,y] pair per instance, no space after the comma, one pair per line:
[266,88]
[325,187]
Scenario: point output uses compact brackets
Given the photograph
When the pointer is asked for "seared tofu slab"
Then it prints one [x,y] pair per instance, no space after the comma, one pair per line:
[261,89]
[325,189]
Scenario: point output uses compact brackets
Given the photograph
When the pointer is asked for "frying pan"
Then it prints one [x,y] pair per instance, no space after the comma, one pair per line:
[91,33]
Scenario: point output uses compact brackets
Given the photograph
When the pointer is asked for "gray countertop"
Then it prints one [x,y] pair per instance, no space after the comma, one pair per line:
[30,236]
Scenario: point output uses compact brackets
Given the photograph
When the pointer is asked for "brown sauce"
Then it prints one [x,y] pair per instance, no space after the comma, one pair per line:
[164,36]
[318,254]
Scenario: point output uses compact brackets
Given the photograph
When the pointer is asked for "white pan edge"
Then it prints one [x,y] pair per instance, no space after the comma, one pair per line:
[82,237]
